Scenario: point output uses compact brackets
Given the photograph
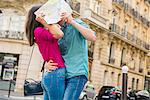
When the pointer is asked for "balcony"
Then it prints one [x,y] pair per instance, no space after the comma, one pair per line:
[98,18]
[133,12]
[128,36]
[128,8]
[7,34]
[120,3]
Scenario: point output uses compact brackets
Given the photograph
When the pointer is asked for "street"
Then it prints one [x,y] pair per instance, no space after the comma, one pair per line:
[17,96]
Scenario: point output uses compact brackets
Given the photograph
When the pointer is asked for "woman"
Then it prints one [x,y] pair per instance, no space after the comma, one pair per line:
[46,37]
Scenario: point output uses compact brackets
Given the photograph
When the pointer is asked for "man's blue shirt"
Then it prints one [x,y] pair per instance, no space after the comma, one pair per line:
[73,47]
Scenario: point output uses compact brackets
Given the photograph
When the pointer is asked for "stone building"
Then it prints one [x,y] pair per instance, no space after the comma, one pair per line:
[15,52]
[125,39]
[122,28]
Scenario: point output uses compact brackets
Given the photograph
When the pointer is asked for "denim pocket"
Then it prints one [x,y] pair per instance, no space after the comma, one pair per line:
[82,77]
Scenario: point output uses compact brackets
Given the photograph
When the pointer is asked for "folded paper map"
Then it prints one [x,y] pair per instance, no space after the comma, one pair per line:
[52,9]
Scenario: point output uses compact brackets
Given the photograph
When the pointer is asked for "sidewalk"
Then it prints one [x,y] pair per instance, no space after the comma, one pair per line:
[17,96]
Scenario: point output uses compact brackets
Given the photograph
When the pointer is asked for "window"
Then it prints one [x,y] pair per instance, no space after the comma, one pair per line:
[137,84]
[111,53]
[112,78]
[133,81]
[123,54]
[12,26]
[17,23]
[118,80]
[96,7]
[9,68]
[114,21]
[105,80]
[90,49]
[144,36]
[141,65]
[125,30]
[135,33]
[132,63]
[147,83]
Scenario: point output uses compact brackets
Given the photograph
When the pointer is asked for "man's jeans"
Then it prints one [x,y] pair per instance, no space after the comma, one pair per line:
[74,87]
[53,84]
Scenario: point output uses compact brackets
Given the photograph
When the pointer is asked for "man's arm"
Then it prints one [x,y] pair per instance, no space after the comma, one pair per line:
[86,32]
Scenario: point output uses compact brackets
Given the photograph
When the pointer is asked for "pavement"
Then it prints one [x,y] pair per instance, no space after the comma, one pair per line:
[17,96]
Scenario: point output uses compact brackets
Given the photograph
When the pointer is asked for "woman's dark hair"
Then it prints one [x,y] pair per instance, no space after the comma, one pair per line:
[31,24]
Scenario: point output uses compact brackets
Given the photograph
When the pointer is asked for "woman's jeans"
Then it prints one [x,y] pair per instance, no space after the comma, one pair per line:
[53,84]
[74,87]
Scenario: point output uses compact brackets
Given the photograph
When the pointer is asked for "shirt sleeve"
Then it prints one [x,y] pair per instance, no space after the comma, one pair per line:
[79,21]
[41,33]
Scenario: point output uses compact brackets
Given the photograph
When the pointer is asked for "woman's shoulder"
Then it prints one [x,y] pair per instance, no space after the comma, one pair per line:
[38,30]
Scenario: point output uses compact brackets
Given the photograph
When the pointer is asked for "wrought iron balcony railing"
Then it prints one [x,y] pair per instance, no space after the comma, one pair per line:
[131,37]
[119,2]
[128,8]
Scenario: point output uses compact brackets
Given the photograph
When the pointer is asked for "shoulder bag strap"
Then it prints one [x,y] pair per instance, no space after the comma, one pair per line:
[30,60]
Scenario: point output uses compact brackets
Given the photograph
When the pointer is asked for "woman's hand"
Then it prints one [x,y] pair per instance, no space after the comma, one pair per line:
[50,66]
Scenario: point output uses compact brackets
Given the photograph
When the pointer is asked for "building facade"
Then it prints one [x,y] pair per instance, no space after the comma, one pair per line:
[18,61]
[122,28]
[125,39]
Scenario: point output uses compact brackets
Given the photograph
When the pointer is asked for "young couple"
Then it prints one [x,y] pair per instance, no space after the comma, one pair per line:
[67,59]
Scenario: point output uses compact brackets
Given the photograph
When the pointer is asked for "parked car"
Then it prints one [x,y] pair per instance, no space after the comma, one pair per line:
[143,95]
[109,93]
[132,95]
[88,93]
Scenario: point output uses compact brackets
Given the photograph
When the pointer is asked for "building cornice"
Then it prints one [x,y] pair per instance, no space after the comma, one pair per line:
[15,41]
[127,41]
[119,68]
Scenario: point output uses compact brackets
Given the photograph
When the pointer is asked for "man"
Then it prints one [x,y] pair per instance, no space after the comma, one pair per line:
[74,50]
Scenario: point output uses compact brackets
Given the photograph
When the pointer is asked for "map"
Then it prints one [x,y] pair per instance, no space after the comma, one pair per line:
[52,10]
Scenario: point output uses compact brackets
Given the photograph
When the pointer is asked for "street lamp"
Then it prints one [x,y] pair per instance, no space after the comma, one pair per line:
[124,81]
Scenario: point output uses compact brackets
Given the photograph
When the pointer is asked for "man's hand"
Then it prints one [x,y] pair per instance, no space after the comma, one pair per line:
[50,66]
[66,17]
